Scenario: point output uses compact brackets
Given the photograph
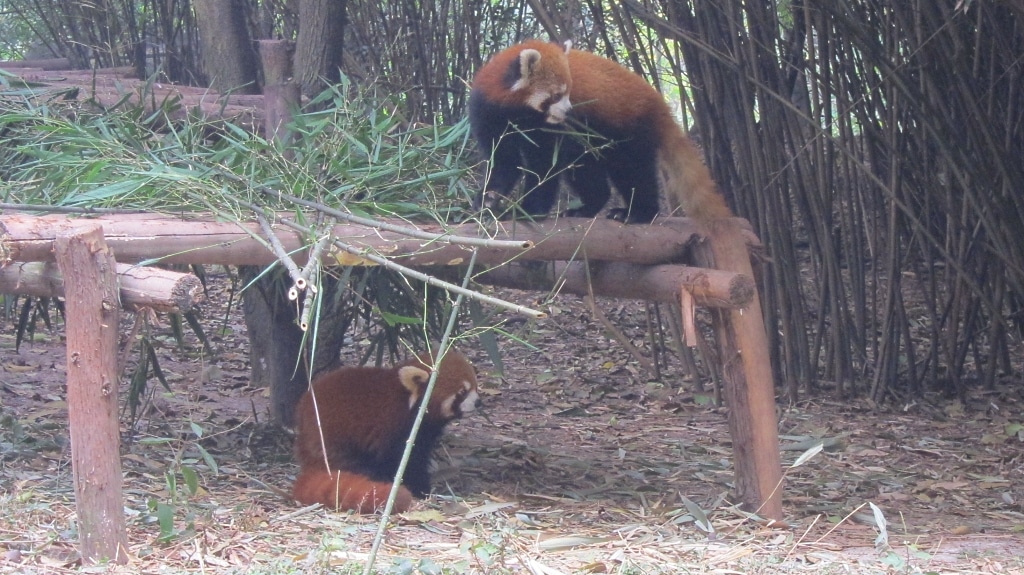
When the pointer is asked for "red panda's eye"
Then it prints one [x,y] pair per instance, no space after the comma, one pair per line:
[551,101]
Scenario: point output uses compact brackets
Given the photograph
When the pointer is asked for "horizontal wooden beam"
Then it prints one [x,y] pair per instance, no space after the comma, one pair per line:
[193,241]
[140,287]
[662,283]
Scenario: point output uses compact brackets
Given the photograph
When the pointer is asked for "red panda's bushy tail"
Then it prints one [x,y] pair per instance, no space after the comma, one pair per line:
[686,179]
[342,490]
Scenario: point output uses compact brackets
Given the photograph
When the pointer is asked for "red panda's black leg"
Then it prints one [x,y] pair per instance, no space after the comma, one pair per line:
[500,145]
[417,472]
[541,173]
[589,181]
[502,171]
[539,195]
[634,172]
[638,210]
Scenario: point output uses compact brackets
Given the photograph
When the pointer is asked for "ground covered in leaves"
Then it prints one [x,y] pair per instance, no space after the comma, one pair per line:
[581,462]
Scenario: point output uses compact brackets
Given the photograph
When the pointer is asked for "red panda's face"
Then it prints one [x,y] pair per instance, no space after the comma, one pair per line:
[545,81]
[455,392]
[554,105]
[462,401]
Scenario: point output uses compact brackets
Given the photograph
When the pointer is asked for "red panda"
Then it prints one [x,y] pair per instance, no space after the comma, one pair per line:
[522,118]
[361,418]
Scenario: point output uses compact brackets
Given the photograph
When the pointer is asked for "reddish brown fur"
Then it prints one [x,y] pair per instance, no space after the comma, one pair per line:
[695,190]
[365,415]
[490,79]
[340,490]
[655,153]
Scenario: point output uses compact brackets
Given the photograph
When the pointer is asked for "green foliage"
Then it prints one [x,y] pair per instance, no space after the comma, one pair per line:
[33,311]
[182,482]
[352,151]
[358,154]
[148,362]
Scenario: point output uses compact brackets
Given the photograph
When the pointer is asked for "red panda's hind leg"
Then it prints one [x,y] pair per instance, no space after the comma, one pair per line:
[632,215]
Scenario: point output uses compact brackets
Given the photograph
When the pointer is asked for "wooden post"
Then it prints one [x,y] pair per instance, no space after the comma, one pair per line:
[93,312]
[747,372]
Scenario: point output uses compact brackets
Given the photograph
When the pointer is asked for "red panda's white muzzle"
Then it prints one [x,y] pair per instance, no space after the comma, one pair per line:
[558,111]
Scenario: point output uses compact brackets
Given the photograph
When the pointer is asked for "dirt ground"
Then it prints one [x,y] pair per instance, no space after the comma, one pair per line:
[580,462]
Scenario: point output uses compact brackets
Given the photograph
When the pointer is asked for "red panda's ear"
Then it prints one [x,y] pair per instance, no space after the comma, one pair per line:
[528,60]
[413,379]
[568,45]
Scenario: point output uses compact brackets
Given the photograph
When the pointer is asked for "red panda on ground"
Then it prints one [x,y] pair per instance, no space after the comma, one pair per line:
[532,106]
[361,418]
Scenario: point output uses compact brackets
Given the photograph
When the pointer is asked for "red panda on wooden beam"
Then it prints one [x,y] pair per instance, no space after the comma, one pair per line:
[535,109]
[361,418]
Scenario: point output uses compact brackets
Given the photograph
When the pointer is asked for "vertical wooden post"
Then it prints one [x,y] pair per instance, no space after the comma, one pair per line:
[93,312]
[747,372]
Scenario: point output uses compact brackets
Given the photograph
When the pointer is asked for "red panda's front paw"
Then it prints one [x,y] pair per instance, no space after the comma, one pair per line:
[502,207]
[493,201]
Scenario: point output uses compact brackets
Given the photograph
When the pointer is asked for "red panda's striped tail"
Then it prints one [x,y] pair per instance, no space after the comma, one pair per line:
[342,490]
[686,179]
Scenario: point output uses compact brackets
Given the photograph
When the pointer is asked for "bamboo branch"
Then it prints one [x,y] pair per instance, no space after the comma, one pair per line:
[429,280]
[282,256]
[403,230]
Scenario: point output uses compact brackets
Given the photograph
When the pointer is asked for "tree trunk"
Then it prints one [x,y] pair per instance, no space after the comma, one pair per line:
[319,47]
[229,58]
[709,288]
[281,96]
[277,355]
